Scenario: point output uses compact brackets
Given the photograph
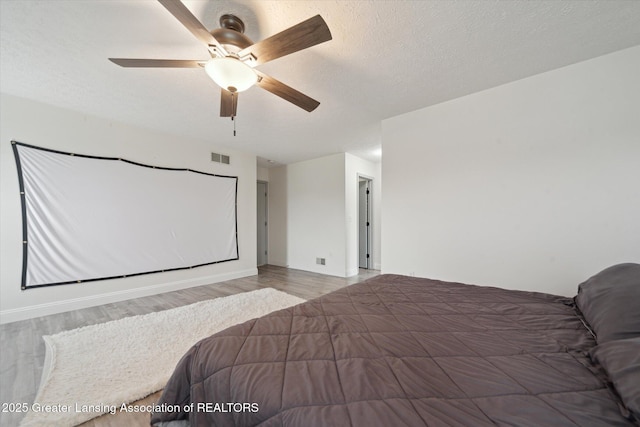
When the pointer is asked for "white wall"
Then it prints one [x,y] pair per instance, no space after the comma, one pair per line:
[52,127]
[262,174]
[277,225]
[316,215]
[377,218]
[531,185]
[313,213]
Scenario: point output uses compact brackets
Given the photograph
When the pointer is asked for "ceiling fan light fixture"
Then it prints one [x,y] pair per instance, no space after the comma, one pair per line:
[231,74]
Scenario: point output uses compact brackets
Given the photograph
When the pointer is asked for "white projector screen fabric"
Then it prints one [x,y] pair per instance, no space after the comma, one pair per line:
[91,218]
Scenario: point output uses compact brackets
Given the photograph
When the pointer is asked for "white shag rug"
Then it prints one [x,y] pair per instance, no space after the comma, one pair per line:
[88,371]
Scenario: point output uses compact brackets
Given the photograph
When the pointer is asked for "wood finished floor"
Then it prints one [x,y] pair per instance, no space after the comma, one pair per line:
[22,349]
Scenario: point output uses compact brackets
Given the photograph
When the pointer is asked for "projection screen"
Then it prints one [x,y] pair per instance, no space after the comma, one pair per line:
[91,218]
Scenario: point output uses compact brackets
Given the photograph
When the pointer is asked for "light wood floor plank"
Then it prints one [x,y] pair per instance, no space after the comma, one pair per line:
[22,349]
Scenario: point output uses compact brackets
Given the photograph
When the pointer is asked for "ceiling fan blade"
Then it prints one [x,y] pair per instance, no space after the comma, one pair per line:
[228,103]
[184,15]
[308,33]
[161,63]
[286,92]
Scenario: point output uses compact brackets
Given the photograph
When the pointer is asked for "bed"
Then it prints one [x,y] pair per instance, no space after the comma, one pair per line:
[405,351]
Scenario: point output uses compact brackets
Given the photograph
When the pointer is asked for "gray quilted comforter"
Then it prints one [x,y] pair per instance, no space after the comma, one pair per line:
[399,351]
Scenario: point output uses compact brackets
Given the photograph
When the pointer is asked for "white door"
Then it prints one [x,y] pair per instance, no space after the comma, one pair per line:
[364,224]
[262,223]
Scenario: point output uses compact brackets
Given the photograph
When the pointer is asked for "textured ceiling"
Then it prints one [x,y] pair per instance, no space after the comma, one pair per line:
[386,58]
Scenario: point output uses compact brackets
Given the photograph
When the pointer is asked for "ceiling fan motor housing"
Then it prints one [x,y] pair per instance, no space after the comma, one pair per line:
[231,34]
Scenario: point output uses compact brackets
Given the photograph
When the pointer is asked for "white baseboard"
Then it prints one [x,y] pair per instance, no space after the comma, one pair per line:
[352,272]
[278,263]
[23,313]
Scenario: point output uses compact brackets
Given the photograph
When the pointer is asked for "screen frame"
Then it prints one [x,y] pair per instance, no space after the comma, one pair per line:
[24,214]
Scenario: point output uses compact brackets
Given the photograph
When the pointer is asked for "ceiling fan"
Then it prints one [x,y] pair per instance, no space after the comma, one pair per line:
[234,56]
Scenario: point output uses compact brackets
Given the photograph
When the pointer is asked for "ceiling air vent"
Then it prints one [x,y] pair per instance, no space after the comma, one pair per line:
[220,158]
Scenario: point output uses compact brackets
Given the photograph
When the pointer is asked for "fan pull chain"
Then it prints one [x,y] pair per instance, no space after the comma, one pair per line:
[234,102]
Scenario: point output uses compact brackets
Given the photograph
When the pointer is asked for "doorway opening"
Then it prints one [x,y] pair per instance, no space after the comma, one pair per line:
[262,241]
[365,259]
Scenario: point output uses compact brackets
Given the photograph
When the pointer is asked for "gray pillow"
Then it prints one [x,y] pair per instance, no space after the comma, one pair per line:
[610,302]
[621,360]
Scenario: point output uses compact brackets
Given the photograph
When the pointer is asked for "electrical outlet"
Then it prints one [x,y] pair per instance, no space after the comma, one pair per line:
[321,261]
